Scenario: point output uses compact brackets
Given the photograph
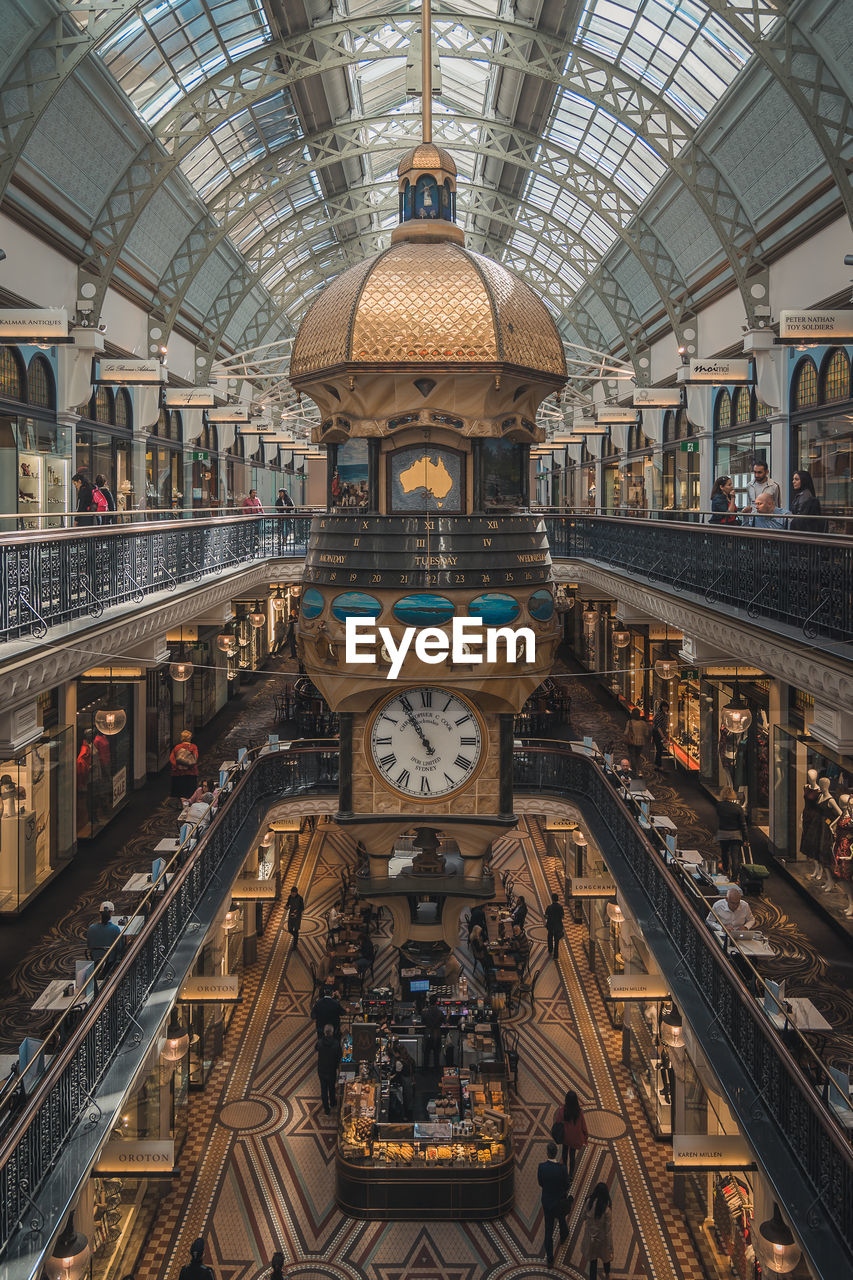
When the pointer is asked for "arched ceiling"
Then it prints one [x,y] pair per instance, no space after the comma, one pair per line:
[565,117]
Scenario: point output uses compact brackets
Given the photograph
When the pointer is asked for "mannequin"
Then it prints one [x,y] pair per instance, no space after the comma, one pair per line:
[811,833]
[842,851]
[829,812]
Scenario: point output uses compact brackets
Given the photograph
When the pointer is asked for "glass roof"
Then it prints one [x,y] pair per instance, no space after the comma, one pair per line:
[680,50]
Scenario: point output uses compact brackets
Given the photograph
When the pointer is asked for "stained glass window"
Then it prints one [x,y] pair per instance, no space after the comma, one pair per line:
[805,385]
[124,414]
[742,406]
[40,383]
[11,375]
[836,376]
[102,408]
[724,410]
[761,410]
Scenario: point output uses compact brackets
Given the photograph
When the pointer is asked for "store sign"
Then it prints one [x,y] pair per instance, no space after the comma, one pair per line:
[286,824]
[722,1152]
[190,397]
[690,446]
[560,824]
[250,890]
[211,989]
[136,1159]
[119,786]
[129,373]
[638,986]
[229,413]
[721,372]
[592,887]
[816,326]
[657,398]
[610,413]
[33,324]
[588,427]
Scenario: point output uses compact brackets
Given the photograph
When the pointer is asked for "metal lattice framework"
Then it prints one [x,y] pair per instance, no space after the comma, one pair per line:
[290,257]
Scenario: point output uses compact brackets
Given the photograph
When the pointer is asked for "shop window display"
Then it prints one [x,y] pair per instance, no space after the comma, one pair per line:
[36,836]
[735,454]
[813,816]
[103,760]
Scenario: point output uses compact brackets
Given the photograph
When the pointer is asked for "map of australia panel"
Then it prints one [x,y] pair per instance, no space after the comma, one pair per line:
[426,479]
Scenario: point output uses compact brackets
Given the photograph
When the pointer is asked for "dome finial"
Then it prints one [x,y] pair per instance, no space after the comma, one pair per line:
[426,70]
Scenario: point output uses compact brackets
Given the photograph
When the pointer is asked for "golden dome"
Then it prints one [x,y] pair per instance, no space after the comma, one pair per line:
[418,305]
[426,156]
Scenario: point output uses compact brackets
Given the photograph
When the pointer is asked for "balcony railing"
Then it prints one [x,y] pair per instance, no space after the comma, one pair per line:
[33,1139]
[803,580]
[799,1142]
[52,578]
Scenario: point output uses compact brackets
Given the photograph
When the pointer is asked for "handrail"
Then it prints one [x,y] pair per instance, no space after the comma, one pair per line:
[802,581]
[63,1095]
[812,1134]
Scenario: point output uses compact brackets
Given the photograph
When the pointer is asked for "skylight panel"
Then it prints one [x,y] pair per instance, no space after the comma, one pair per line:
[239,141]
[168,46]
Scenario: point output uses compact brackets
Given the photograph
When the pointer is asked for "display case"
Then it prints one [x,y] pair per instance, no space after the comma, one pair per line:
[651,1066]
[56,482]
[686,731]
[447,1169]
[36,833]
[29,489]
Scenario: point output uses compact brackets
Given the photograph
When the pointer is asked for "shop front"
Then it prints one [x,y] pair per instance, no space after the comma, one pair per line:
[103,442]
[104,745]
[164,464]
[679,463]
[822,429]
[36,793]
[210,993]
[741,438]
[35,452]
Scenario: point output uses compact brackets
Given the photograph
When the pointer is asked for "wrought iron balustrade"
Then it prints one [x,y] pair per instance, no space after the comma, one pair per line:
[783,1096]
[51,578]
[32,1139]
[804,580]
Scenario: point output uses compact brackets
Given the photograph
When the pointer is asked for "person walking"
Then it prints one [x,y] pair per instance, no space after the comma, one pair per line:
[252,505]
[87,511]
[573,1136]
[805,505]
[276,1266]
[433,1020]
[328,1010]
[637,733]
[723,505]
[732,831]
[195,1268]
[108,516]
[328,1060]
[553,1178]
[183,761]
[660,731]
[598,1243]
[295,906]
[554,923]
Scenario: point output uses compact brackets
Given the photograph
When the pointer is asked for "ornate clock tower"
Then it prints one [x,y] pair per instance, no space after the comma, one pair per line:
[428,363]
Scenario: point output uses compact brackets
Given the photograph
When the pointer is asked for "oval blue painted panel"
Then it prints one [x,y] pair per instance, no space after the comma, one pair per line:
[541,605]
[494,608]
[312,603]
[355,604]
[424,610]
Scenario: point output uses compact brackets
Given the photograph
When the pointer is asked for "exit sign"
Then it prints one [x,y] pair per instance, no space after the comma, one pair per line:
[690,446]
[200,457]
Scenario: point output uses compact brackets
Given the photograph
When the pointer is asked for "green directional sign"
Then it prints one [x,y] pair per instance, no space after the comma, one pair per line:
[690,446]
[201,457]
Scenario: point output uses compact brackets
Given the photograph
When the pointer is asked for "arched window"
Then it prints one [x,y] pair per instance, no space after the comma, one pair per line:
[161,426]
[124,412]
[102,407]
[208,438]
[40,383]
[668,426]
[836,376]
[12,381]
[742,406]
[177,426]
[724,410]
[805,385]
[761,410]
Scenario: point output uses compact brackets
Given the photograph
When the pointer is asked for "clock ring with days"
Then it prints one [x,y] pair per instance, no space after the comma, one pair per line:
[426,742]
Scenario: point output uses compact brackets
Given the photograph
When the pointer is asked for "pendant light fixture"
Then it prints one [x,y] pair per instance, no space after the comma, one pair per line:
[226,640]
[672,1028]
[111,720]
[777,1250]
[182,670]
[615,914]
[257,617]
[278,602]
[666,668]
[70,1256]
[736,715]
[621,638]
[177,1040]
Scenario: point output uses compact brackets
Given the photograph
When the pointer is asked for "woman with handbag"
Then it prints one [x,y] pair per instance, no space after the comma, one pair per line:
[570,1130]
[598,1244]
[184,764]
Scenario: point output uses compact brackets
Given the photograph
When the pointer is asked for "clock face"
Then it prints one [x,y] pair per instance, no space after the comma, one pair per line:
[426,742]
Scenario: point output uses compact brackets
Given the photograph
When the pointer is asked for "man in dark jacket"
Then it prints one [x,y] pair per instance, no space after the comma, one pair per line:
[553,1178]
[432,1019]
[328,1010]
[295,906]
[328,1058]
[554,917]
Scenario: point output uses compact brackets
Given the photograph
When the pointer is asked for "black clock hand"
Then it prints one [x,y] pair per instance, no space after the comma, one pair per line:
[419,731]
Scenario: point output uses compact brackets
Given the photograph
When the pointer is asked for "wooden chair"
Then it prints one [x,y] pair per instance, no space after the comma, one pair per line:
[526,987]
[510,1039]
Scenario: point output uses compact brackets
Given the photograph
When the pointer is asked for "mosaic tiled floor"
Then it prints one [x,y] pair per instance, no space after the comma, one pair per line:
[259,1168]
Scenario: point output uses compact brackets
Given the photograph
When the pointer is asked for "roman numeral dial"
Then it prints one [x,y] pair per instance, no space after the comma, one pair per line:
[425,743]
